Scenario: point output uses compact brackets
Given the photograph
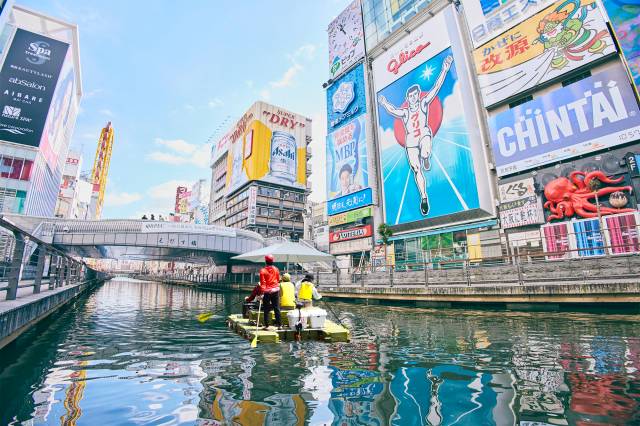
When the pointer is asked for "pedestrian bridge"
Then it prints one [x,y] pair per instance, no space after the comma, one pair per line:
[137,239]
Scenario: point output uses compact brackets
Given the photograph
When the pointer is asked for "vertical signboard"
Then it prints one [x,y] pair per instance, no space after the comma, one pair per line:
[519,204]
[556,240]
[589,237]
[625,20]
[559,39]
[592,114]
[270,147]
[27,82]
[347,159]
[622,233]
[346,39]
[427,158]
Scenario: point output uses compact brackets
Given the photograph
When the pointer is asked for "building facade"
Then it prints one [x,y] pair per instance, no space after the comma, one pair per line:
[265,182]
[484,135]
[41,91]
[74,199]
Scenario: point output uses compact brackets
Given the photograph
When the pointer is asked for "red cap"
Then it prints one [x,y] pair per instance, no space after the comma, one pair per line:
[269,258]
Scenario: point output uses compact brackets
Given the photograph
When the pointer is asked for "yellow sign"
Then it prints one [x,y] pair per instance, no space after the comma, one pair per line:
[270,147]
[560,38]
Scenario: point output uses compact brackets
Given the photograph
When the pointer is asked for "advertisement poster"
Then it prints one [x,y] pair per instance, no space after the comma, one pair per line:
[556,241]
[622,233]
[350,202]
[426,155]
[347,159]
[519,204]
[488,18]
[346,98]
[27,82]
[63,110]
[351,216]
[625,20]
[182,196]
[559,39]
[595,113]
[589,237]
[351,234]
[270,146]
[346,39]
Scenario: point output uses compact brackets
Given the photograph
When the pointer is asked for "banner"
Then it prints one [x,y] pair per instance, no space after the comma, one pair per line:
[590,115]
[561,38]
[346,39]
[351,234]
[556,240]
[625,20]
[350,202]
[351,246]
[347,159]
[346,98]
[589,237]
[177,227]
[488,18]
[519,204]
[622,233]
[269,145]
[425,150]
[351,216]
[28,81]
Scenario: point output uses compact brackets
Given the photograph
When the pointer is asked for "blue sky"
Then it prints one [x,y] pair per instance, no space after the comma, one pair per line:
[169,74]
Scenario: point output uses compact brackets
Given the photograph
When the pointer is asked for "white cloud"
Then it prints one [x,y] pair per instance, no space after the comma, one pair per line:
[92,93]
[306,51]
[181,153]
[106,112]
[288,76]
[215,102]
[115,199]
[178,145]
[265,94]
[167,190]
[189,107]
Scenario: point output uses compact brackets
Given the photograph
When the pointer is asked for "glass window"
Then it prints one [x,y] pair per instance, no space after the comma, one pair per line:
[26,170]
[5,168]
[16,169]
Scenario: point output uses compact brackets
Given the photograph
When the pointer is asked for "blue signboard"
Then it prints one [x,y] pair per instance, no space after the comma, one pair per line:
[346,98]
[350,202]
[589,239]
[590,115]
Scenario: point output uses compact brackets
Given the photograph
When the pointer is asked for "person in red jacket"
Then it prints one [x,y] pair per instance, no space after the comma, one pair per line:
[270,290]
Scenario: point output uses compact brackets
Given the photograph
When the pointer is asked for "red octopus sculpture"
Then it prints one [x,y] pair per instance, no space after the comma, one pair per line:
[569,196]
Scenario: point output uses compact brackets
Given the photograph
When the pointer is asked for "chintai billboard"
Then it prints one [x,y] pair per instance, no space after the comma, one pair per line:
[592,114]
[429,165]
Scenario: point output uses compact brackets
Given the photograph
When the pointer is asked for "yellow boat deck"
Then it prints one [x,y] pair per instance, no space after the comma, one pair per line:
[246,327]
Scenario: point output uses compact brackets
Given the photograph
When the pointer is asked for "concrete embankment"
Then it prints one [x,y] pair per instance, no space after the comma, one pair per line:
[17,316]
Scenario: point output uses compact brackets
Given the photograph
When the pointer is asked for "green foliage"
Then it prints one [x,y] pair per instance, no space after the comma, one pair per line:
[385,232]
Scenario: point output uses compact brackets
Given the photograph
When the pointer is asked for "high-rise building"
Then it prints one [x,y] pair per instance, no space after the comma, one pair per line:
[265,182]
[74,198]
[100,170]
[40,90]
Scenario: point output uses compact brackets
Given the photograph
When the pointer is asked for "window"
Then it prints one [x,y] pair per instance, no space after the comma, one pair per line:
[5,168]
[16,169]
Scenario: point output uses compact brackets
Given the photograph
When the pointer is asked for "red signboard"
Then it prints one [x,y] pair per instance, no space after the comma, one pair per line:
[351,234]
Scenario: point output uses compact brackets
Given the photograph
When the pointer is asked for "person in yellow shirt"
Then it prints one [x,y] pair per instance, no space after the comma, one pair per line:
[287,293]
[306,291]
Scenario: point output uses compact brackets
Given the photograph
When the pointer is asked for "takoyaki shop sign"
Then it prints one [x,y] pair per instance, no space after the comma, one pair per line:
[592,114]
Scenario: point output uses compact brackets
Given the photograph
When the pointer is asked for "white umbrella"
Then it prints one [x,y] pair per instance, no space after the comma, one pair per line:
[287,252]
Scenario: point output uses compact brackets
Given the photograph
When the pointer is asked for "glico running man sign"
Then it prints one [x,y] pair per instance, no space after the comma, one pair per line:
[27,83]
[593,114]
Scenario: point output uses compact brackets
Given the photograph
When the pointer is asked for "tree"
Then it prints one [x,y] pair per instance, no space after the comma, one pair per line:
[385,233]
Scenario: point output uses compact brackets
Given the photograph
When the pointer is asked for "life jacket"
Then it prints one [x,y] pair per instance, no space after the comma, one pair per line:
[287,294]
[306,290]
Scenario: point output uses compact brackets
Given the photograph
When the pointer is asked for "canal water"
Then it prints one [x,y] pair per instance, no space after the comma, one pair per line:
[132,353]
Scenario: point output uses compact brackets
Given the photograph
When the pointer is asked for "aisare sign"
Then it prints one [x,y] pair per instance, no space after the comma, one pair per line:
[593,114]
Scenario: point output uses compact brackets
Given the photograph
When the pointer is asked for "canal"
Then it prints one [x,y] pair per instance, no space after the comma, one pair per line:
[132,353]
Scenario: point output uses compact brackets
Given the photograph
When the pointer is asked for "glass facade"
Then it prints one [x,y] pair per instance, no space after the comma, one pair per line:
[382,17]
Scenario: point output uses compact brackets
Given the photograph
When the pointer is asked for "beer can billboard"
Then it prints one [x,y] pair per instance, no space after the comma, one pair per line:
[28,81]
[271,147]
[563,37]
[432,159]
[346,39]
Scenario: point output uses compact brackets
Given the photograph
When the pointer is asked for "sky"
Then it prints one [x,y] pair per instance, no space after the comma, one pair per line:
[169,75]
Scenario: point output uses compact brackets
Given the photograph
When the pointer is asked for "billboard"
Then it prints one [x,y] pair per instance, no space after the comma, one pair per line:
[559,39]
[597,112]
[625,20]
[488,18]
[221,147]
[346,98]
[182,197]
[351,234]
[351,216]
[350,202]
[346,39]
[429,165]
[519,204]
[270,147]
[27,82]
[347,159]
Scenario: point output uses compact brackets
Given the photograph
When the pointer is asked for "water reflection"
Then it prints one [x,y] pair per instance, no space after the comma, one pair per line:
[132,353]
